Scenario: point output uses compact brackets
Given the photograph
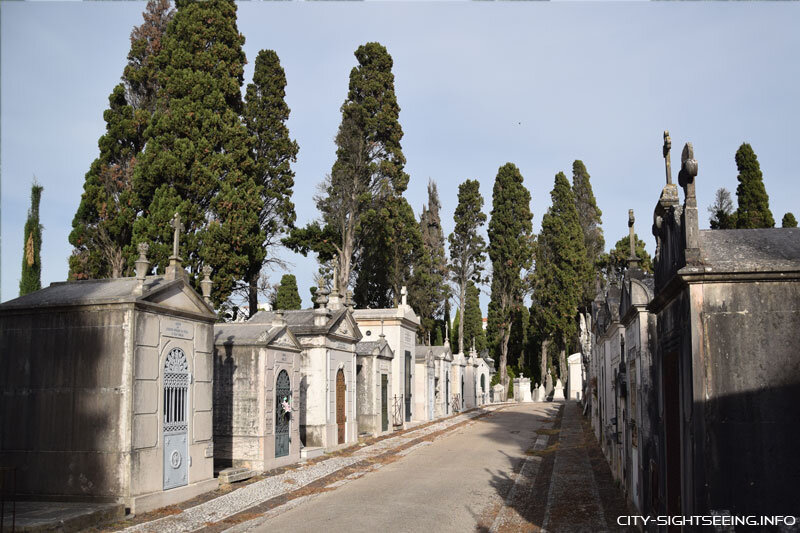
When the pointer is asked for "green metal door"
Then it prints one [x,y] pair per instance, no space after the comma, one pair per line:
[384,402]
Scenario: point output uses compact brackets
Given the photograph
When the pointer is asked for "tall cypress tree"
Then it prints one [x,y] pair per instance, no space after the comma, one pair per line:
[287,296]
[103,224]
[510,247]
[562,268]
[428,290]
[589,218]
[467,246]
[789,221]
[753,211]
[197,157]
[368,173]
[273,152]
[31,279]
[473,320]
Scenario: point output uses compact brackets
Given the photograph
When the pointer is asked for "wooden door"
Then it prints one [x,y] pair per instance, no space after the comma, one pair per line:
[341,416]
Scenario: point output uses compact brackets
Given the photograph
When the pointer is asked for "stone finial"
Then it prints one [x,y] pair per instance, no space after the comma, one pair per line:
[277,318]
[403,296]
[322,297]
[142,264]
[633,259]
[382,336]
[348,301]
[688,173]
[446,334]
[665,150]
[205,285]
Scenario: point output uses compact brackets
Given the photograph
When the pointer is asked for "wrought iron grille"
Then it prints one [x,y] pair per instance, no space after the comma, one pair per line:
[176,391]
[397,410]
[283,413]
[456,403]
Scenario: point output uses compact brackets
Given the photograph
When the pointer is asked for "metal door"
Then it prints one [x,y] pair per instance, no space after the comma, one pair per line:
[384,402]
[341,416]
[408,386]
[447,394]
[431,396]
[283,413]
[176,400]
[463,392]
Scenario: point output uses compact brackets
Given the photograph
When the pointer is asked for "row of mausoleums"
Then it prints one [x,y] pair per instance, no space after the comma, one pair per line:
[694,373]
[127,390]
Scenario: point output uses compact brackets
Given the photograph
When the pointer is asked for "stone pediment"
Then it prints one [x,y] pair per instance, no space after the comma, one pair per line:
[283,339]
[346,327]
[177,295]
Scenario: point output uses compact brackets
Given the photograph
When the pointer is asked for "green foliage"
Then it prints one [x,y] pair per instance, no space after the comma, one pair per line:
[427,288]
[455,332]
[473,321]
[287,296]
[511,375]
[510,248]
[197,156]
[518,340]
[467,246]
[31,278]
[753,211]
[438,340]
[616,261]
[103,224]
[562,266]
[589,218]
[721,211]
[789,221]
[272,152]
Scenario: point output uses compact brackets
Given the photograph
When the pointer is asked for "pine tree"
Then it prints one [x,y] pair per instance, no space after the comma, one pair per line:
[561,268]
[272,152]
[103,224]
[721,211]
[368,171]
[510,247]
[616,261]
[589,218]
[753,211]
[789,221]
[287,296]
[427,290]
[467,246]
[197,156]
[31,279]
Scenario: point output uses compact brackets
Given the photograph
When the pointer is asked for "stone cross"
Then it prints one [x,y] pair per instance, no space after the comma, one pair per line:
[404,296]
[176,238]
[665,150]
[633,260]
[688,173]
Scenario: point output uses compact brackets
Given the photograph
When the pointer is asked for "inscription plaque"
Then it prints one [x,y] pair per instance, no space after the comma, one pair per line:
[177,329]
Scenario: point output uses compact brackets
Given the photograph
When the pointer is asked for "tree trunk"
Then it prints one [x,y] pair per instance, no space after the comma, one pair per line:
[252,294]
[504,359]
[562,363]
[462,296]
[543,362]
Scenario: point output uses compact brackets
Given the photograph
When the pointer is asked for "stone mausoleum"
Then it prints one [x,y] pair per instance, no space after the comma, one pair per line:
[256,395]
[105,389]
[374,386]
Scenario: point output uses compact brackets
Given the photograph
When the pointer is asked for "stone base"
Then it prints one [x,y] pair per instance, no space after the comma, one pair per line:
[311,452]
[162,498]
[558,394]
[232,475]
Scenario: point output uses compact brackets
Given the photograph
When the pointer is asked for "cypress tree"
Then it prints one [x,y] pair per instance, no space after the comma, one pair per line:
[368,171]
[454,338]
[272,152]
[510,247]
[753,211]
[103,224]
[467,246]
[589,218]
[789,221]
[31,279]
[473,321]
[561,268]
[427,290]
[721,211]
[287,297]
[197,156]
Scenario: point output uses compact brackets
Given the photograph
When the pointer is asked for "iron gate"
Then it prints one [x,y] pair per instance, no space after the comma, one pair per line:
[397,411]
[283,413]
[341,413]
[176,398]
[408,386]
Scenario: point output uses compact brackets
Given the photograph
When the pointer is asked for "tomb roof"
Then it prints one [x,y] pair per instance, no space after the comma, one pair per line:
[301,321]
[373,347]
[749,250]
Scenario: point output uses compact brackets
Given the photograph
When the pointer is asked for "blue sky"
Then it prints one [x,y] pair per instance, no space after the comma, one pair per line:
[479,84]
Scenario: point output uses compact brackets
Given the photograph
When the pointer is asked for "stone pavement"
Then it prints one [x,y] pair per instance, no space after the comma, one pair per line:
[255,497]
[565,485]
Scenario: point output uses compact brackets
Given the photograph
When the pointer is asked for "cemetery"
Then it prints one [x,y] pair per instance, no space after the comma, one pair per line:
[237,334]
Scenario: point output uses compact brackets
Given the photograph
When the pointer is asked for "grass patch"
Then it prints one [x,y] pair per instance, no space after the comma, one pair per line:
[541,453]
[548,431]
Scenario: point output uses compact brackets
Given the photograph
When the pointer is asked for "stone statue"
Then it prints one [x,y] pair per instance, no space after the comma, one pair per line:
[665,150]
[633,260]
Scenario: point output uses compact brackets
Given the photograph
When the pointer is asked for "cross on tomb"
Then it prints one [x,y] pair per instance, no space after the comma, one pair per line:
[665,150]
[176,238]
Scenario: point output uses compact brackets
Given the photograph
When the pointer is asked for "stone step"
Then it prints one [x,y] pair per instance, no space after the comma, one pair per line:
[307,452]
[232,475]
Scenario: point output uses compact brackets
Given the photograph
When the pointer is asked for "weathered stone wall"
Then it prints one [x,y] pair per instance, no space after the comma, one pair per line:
[64,400]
